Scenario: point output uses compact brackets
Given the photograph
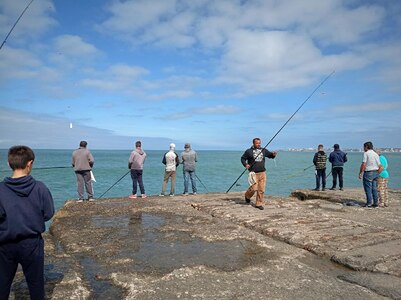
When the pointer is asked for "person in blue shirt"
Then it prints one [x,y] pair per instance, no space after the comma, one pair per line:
[337,159]
[382,181]
[25,206]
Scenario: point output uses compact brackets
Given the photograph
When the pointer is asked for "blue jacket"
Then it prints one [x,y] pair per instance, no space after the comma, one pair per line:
[25,206]
[337,158]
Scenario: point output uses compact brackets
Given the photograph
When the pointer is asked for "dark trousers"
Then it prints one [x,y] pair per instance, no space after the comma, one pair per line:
[321,176]
[29,253]
[337,171]
[136,176]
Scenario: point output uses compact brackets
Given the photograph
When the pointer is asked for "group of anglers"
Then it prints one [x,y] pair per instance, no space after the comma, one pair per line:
[83,161]
[373,172]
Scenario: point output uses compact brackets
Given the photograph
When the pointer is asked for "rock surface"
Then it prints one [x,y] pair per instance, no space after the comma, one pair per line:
[311,245]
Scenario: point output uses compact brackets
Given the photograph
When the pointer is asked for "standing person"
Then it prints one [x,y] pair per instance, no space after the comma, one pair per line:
[337,159]
[82,161]
[25,206]
[170,159]
[189,158]
[382,181]
[254,160]
[369,171]
[319,160]
[135,163]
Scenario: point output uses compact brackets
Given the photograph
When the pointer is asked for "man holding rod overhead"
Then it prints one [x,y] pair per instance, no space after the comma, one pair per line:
[254,160]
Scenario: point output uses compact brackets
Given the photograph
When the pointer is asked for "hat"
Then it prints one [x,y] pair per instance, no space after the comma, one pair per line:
[187,145]
[336,146]
[172,146]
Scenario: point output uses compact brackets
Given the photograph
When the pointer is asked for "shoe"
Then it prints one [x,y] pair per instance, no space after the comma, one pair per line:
[375,206]
[194,193]
[248,201]
[132,196]
[333,189]
[185,194]
[91,199]
[316,189]
[367,206]
[161,195]
[143,195]
[171,195]
[80,200]
[323,189]
[260,207]
[341,189]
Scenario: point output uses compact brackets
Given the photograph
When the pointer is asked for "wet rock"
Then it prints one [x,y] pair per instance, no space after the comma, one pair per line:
[214,246]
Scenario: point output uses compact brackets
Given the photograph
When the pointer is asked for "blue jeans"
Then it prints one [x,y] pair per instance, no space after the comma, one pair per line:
[320,174]
[187,175]
[136,176]
[370,187]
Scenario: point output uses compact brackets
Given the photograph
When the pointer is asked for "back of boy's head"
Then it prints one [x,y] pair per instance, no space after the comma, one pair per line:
[19,156]
[83,144]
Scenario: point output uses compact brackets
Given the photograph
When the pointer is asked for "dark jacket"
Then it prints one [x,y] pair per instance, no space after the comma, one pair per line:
[25,206]
[337,158]
[319,160]
[249,158]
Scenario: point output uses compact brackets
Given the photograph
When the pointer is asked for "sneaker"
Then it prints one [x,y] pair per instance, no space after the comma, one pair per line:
[260,207]
[185,194]
[333,189]
[375,206]
[143,196]
[367,206]
[161,195]
[80,200]
[323,189]
[132,196]
[316,189]
[341,189]
[194,193]
[91,199]
[171,195]
[247,201]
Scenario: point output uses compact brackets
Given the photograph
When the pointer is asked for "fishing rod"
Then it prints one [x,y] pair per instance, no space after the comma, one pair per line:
[283,127]
[114,184]
[15,24]
[49,168]
[201,183]
[299,172]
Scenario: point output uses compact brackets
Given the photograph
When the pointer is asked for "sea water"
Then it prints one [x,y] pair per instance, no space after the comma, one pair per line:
[216,171]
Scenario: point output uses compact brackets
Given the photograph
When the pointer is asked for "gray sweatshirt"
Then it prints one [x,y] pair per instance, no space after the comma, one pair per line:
[82,160]
[136,159]
[188,159]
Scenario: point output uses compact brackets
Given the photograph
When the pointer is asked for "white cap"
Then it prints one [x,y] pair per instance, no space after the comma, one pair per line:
[172,146]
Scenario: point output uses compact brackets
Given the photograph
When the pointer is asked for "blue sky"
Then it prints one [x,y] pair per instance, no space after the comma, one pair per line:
[212,73]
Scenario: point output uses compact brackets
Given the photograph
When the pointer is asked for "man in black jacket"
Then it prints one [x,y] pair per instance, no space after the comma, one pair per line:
[319,160]
[254,160]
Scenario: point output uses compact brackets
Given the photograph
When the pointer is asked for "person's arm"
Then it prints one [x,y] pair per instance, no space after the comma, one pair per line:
[164,159]
[48,204]
[345,157]
[244,160]
[269,154]
[315,159]
[91,160]
[362,169]
[177,160]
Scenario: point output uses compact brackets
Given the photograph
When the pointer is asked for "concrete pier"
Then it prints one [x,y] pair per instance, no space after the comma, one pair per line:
[310,245]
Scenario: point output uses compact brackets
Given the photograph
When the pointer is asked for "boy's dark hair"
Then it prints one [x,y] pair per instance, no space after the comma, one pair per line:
[368,145]
[138,144]
[19,156]
[83,144]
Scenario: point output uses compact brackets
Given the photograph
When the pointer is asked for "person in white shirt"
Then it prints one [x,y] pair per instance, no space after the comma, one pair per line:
[369,172]
[170,159]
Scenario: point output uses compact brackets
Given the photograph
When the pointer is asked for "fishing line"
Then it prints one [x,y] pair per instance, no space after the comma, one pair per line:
[201,183]
[114,184]
[283,127]
[12,28]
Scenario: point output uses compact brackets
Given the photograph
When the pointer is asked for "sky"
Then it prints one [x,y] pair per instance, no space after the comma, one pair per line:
[215,74]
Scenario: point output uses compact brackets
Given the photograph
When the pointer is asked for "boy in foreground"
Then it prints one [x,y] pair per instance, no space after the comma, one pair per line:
[25,206]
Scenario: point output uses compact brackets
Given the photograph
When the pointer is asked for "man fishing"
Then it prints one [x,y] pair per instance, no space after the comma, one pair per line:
[253,159]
